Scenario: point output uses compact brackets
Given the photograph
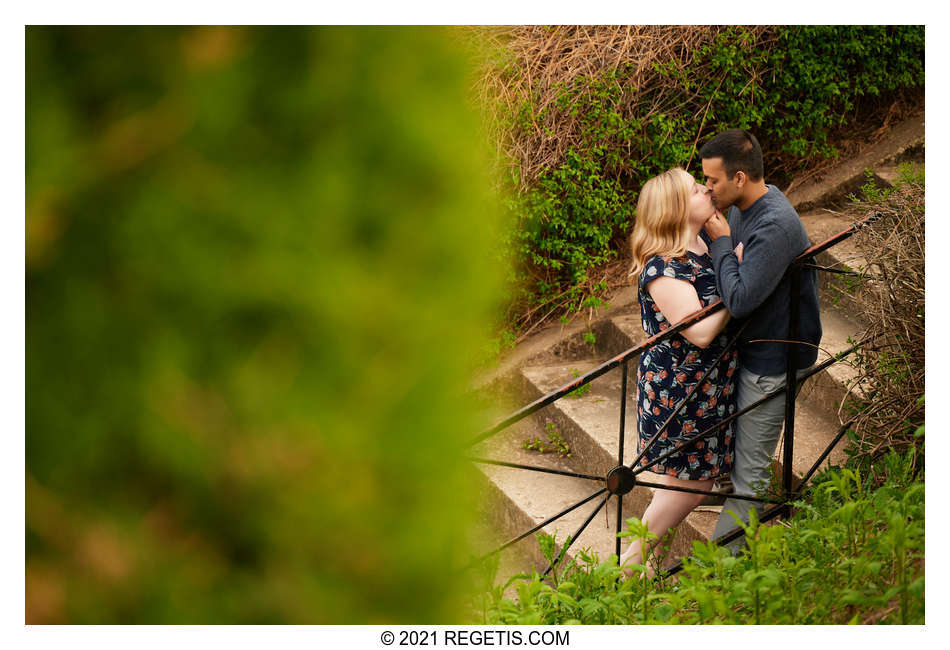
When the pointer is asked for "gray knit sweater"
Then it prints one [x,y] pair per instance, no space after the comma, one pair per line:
[772,235]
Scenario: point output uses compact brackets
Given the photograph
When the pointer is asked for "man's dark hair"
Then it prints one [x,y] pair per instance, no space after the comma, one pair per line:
[739,150]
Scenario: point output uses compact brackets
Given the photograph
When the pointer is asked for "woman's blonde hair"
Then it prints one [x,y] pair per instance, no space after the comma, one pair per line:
[662,212]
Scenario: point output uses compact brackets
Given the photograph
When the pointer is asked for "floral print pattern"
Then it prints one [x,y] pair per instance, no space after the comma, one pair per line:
[669,370]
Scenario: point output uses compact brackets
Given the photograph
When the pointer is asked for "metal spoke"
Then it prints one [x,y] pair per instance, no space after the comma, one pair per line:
[541,525]
[733,534]
[689,395]
[828,269]
[840,237]
[534,468]
[623,410]
[577,533]
[675,488]
[605,367]
[692,439]
[824,454]
[805,260]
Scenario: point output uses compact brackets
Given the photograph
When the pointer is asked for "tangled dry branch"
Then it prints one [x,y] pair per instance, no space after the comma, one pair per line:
[891,300]
[527,67]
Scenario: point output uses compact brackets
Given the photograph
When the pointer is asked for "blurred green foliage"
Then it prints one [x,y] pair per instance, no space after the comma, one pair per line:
[256,275]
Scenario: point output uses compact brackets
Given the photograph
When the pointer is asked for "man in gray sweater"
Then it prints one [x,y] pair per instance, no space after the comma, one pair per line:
[750,254]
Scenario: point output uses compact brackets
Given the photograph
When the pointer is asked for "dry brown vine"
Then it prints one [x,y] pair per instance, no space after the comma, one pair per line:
[891,301]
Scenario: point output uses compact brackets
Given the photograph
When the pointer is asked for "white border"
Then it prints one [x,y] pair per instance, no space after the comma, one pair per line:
[938,232]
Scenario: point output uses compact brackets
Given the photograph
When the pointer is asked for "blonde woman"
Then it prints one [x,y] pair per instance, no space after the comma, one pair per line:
[676,278]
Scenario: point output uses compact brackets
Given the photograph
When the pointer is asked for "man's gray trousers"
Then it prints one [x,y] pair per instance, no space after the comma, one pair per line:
[757,435]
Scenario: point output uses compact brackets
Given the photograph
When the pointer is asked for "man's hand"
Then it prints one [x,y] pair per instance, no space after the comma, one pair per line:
[717,226]
[739,252]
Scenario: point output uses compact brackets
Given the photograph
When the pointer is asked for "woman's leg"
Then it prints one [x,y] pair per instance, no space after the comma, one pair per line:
[667,510]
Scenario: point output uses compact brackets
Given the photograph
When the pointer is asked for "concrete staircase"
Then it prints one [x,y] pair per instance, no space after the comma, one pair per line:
[515,500]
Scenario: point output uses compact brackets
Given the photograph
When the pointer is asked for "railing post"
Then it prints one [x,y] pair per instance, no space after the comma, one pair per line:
[791,373]
[795,281]
[623,416]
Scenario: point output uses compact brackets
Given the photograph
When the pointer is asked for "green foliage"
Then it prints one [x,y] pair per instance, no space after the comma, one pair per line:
[852,553]
[825,72]
[793,86]
[909,173]
[871,191]
[575,373]
[555,443]
[258,264]
[566,226]
[801,82]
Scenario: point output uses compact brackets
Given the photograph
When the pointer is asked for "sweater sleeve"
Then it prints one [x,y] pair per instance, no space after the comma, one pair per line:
[766,254]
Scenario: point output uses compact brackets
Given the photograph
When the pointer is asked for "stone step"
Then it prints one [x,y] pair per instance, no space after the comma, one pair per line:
[887,174]
[848,175]
[815,428]
[519,499]
[485,536]
[523,499]
[826,391]
[516,499]
[825,223]
[837,293]
[592,422]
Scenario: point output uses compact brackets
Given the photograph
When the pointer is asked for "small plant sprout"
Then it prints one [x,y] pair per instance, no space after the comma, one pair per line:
[555,443]
[583,390]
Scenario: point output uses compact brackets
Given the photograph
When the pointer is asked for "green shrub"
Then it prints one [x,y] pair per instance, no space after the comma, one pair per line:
[852,553]
[795,87]
[804,81]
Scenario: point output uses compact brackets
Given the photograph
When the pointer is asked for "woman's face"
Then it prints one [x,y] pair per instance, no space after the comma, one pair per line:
[701,206]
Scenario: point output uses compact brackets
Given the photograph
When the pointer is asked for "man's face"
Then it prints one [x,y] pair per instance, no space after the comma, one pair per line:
[724,190]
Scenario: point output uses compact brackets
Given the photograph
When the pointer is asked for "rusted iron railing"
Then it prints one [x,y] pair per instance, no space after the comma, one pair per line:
[624,478]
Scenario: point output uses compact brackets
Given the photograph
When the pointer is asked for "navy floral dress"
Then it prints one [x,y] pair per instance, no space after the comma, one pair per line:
[668,370]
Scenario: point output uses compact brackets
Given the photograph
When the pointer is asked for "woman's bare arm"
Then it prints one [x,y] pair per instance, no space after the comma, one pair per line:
[676,300]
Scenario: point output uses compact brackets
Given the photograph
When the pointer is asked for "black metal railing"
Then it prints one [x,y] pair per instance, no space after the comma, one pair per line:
[623,478]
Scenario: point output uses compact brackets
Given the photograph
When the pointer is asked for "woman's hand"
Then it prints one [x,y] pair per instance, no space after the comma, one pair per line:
[739,252]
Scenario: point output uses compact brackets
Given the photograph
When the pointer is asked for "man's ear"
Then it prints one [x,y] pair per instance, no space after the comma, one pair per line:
[740,179]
